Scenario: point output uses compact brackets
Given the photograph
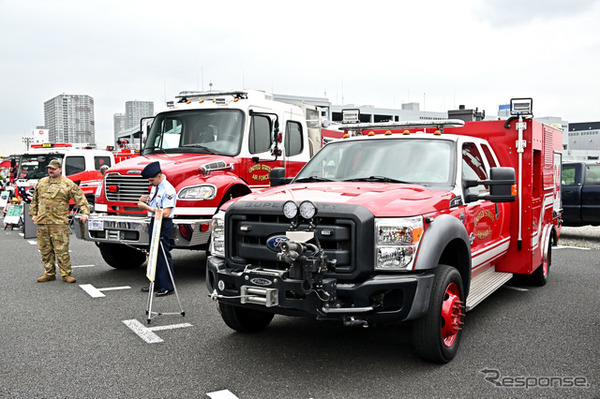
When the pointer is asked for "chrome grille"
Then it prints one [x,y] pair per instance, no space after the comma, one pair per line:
[129,188]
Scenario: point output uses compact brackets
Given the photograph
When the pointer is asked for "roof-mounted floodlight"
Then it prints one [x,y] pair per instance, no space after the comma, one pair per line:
[521,106]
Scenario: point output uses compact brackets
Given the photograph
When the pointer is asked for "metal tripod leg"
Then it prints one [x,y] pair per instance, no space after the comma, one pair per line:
[149,312]
[149,303]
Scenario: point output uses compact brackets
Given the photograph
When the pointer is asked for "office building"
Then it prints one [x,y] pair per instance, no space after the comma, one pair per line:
[69,118]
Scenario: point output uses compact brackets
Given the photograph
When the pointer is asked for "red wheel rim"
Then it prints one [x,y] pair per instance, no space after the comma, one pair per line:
[452,314]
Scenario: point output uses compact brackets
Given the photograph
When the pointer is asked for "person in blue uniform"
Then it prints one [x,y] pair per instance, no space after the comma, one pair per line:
[162,196]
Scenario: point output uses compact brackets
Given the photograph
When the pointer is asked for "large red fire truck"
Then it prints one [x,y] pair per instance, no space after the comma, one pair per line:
[212,146]
[418,227]
[81,163]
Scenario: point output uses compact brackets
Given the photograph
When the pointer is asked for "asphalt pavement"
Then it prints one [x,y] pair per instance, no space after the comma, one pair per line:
[58,341]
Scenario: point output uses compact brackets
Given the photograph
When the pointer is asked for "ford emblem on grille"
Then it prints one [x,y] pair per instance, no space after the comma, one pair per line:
[133,171]
[274,243]
[263,282]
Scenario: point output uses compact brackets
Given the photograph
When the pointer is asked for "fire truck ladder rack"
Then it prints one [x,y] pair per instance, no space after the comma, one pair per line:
[484,284]
[424,124]
[190,95]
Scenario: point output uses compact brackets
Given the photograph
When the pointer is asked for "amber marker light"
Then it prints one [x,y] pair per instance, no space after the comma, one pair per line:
[406,132]
[437,133]
[513,189]
[371,133]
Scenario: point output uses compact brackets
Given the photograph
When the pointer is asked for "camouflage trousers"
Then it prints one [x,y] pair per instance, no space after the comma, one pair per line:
[53,243]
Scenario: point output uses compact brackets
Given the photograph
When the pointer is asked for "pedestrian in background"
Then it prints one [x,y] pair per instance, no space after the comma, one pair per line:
[162,197]
[50,211]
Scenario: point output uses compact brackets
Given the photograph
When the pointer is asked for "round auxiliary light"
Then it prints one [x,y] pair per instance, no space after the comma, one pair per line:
[290,209]
[308,210]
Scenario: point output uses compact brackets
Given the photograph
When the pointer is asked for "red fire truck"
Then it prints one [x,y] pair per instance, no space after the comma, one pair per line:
[82,164]
[212,147]
[418,226]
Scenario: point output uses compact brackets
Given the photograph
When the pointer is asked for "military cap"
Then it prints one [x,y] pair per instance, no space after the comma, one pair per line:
[55,164]
[151,170]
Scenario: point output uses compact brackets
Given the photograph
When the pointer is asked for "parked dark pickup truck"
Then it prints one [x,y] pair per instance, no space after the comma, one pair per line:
[581,193]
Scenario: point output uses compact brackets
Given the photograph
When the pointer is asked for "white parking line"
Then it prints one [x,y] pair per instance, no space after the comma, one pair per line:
[97,292]
[83,266]
[147,333]
[224,394]
[32,242]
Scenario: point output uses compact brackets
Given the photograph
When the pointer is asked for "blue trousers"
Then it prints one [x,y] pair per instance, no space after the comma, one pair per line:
[162,281]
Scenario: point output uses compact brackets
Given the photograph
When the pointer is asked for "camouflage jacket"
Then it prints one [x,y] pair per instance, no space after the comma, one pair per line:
[51,200]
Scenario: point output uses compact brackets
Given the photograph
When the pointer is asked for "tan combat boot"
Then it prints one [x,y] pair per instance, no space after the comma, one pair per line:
[45,278]
[69,279]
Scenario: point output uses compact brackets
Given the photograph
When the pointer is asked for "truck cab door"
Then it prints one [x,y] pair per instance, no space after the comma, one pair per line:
[590,195]
[262,148]
[572,177]
[489,236]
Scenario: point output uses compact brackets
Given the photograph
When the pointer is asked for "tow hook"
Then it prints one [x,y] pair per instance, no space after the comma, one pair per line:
[352,321]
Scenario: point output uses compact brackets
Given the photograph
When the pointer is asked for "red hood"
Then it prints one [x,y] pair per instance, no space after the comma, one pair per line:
[382,199]
[177,167]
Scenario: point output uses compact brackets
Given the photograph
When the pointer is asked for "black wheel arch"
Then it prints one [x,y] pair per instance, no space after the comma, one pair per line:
[446,241]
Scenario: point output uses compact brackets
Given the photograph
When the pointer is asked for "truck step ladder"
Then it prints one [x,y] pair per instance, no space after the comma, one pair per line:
[484,284]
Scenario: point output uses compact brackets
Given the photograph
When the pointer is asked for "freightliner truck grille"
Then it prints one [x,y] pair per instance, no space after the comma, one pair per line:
[125,188]
[249,233]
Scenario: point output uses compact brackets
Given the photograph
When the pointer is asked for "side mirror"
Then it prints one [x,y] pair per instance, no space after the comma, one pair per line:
[277,177]
[103,169]
[501,183]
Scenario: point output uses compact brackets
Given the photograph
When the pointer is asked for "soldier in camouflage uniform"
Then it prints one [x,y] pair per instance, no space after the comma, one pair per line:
[49,210]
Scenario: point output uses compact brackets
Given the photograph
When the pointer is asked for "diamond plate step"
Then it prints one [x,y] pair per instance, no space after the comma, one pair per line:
[484,284]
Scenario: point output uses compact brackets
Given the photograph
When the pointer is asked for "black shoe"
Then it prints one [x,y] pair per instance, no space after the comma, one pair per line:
[147,289]
[164,292]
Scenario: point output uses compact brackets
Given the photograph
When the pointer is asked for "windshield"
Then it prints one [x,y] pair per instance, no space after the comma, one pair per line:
[34,166]
[201,131]
[415,161]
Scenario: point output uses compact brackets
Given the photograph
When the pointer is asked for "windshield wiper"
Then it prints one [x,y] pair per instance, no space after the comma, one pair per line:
[311,178]
[154,147]
[200,146]
[383,179]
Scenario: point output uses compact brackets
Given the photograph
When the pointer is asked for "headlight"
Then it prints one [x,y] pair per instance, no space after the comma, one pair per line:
[290,209]
[197,193]
[217,240]
[396,242]
[308,210]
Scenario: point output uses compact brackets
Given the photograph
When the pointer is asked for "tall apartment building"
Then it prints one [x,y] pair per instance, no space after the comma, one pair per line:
[134,111]
[69,118]
[119,123]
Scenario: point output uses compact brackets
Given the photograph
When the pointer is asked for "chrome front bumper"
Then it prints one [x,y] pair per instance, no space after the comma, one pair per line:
[187,233]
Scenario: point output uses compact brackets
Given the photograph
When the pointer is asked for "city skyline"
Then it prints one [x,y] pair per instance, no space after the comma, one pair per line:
[437,53]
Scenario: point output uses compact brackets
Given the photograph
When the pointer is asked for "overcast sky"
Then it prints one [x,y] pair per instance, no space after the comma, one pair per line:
[439,53]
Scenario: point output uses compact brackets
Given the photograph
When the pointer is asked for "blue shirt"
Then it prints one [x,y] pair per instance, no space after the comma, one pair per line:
[163,196]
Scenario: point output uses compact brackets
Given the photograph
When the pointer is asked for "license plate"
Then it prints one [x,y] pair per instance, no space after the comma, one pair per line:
[95,225]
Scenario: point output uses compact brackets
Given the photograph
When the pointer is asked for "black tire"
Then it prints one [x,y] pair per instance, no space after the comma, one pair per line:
[540,276]
[121,256]
[434,338]
[244,320]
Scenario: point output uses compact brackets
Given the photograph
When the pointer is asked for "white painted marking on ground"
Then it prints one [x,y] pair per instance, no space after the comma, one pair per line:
[169,327]
[570,247]
[224,394]
[83,266]
[143,332]
[22,234]
[123,287]
[97,292]
[32,242]
[510,287]
[147,333]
